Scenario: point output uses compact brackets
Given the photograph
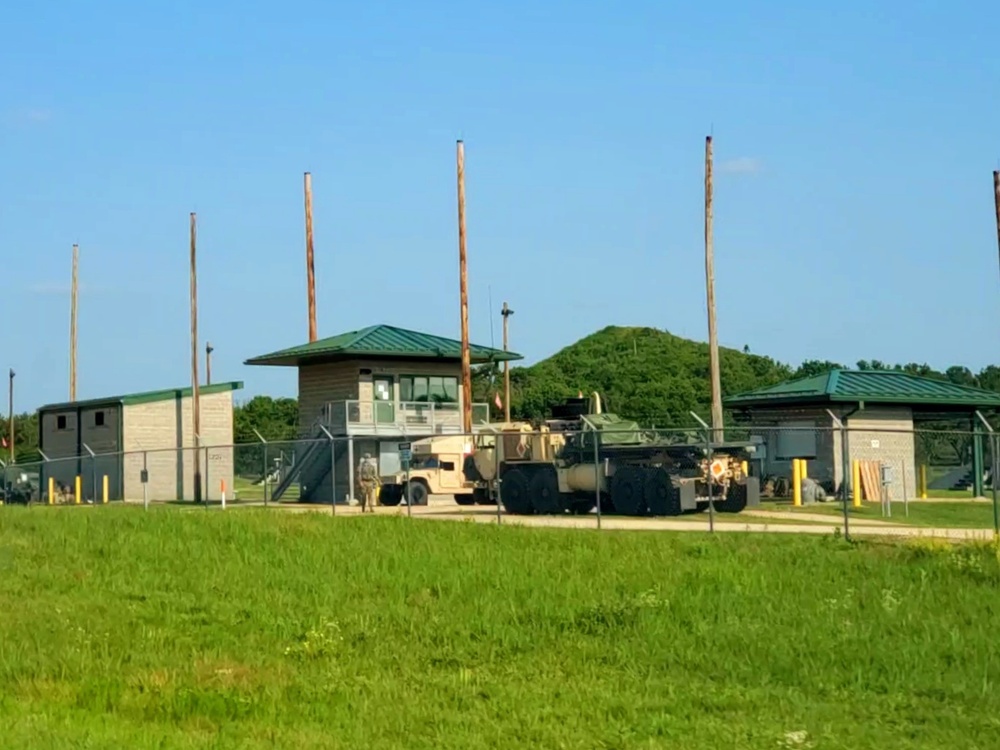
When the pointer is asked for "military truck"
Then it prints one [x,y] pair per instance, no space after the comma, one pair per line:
[435,469]
[582,456]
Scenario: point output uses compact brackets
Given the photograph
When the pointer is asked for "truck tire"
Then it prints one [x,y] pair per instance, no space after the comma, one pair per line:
[481,495]
[628,491]
[515,493]
[663,498]
[465,499]
[581,506]
[544,492]
[391,494]
[735,500]
[416,492]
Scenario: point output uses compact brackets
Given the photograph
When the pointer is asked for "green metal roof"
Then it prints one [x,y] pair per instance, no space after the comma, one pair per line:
[381,341]
[869,386]
[146,397]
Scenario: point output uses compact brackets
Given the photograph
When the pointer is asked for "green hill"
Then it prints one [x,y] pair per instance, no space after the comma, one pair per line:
[641,373]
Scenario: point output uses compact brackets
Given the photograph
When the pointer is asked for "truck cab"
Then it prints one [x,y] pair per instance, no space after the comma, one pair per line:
[435,469]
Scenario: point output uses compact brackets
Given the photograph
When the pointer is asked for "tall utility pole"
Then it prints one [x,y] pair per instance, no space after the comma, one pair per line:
[463,281]
[208,363]
[310,267]
[194,362]
[506,313]
[10,415]
[713,341]
[996,202]
[74,286]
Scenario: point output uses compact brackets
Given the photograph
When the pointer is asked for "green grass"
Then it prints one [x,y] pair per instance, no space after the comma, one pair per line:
[950,494]
[247,490]
[964,515]
[258,629]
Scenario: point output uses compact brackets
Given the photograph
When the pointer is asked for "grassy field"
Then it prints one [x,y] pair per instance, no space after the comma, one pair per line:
[965,515]
[254,629]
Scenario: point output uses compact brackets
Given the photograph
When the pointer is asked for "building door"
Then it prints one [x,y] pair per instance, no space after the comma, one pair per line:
[385,412]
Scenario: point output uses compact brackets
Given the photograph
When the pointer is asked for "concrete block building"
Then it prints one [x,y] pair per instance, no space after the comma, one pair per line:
[373,387]
[120,436]
[880,409]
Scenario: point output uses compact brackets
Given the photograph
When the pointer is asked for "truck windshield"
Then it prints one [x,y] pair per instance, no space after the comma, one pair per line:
[425,462]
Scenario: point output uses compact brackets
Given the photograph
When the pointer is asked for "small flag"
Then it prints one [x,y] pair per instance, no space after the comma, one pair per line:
[497,401]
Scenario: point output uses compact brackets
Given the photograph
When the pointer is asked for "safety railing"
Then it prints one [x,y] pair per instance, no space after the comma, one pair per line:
[401,417]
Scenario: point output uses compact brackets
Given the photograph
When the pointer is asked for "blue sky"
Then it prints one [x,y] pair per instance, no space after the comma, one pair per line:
[854,145]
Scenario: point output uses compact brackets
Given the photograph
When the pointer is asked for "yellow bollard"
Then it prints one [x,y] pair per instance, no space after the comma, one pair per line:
[77,491]
[923,481]
[856,482]
[796,482]
[802,469]
[104,489]
[52,490]
[745,468]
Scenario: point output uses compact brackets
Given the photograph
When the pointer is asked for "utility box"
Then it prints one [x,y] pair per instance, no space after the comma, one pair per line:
[886,470]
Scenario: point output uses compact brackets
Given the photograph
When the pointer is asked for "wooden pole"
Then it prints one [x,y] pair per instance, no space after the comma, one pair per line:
[996,202]
[507,312]
[208,363]
[463,280]
[74,287]
[10,415]
[194,362]
[310,266]
[713,342]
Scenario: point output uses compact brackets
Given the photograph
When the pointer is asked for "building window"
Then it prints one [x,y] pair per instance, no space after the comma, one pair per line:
[98,419]
[428,388]
[797,442]
[61,422]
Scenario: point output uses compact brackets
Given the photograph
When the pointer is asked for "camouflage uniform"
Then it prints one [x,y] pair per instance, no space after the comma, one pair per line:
[369,481]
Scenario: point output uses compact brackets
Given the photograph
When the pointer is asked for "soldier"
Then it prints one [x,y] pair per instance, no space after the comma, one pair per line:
[369,480]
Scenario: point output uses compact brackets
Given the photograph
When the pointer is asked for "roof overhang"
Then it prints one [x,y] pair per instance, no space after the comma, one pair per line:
[144,397]
[280,360]
[761,404]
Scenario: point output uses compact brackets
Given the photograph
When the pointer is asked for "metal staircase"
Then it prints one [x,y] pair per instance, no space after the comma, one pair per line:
[309,467]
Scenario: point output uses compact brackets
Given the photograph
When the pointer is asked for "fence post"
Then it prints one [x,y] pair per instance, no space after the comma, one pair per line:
[333,471]
[993,467]
[93,472]
[708,479]
[597,474]
[263,479]
[496,474]
[845,470]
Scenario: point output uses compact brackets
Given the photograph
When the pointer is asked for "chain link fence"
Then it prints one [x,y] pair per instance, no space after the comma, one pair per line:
[610,471]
